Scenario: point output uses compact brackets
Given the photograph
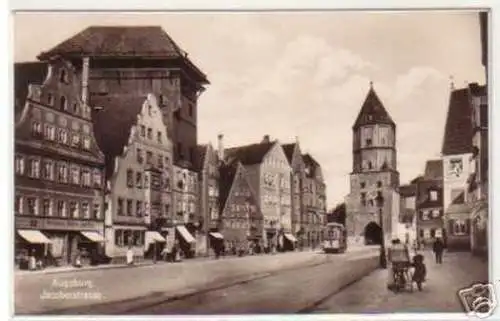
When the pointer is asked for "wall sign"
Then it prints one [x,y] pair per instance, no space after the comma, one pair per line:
[57,224]
[455,168]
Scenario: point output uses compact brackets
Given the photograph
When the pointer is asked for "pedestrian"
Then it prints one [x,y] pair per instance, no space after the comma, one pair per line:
[420,270]
[130,256]
[438,248]
[32,261]
[397,256]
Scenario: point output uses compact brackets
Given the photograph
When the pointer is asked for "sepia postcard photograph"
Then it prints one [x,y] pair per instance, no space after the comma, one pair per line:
[247,163]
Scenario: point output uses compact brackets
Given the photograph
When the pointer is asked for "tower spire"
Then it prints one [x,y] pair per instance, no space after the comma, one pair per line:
[452,83]
[371,84]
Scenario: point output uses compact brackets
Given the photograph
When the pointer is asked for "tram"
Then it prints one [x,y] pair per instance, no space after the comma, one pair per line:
[334,238]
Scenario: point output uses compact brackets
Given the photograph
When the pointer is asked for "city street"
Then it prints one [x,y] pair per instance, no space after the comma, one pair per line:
[439,294]
[168,288]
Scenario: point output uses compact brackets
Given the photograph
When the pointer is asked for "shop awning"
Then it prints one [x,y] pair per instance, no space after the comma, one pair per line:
[153,236]
[93,236]
[290,237]
[217,235]
[185,234]
[34,236]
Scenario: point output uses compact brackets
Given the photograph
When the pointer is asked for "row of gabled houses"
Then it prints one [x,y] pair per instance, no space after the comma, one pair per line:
[450,200]
[107,159]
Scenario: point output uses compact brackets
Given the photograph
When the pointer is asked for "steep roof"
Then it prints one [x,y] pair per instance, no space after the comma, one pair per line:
[121,41]
[227,174]
[113,123]
[372,112]
[249,154]
[408,190]
[310,163]
[289,150]
[458,129]
[26,73]
[433,169]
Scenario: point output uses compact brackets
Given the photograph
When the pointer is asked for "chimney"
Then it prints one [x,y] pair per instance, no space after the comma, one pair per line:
[85,80]
[266,139]
[220,147]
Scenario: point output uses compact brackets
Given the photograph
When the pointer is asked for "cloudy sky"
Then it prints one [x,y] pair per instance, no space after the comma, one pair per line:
[307,74]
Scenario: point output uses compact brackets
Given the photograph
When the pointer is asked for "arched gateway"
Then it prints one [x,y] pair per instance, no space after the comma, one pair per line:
[372,233]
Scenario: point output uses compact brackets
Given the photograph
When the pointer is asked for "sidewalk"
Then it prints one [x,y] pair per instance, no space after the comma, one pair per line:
[439,294]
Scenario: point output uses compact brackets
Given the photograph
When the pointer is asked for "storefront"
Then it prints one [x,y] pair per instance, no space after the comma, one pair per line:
[58,241]
[186,240]
[153,244]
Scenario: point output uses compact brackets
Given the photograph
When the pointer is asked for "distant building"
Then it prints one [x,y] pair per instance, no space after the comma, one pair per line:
[296,161]
[269,176]
[430,219]
[314,198]
[374,173]
[59,167]
[133,137]
[208,179]
[456,152]
[240,217]
[408,222]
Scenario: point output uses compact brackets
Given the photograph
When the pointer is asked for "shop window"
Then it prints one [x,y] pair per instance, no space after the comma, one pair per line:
[137,238]
[127,237]
[19,164]
[130,178]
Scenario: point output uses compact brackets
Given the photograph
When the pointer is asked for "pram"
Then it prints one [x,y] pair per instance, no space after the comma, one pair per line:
[402,277]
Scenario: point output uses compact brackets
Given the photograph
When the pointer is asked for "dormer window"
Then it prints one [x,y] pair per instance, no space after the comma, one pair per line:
[63,104]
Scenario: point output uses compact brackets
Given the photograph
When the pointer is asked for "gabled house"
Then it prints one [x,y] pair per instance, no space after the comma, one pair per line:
[133,137]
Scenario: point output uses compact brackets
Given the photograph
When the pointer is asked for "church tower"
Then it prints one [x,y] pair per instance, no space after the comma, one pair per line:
[374,172]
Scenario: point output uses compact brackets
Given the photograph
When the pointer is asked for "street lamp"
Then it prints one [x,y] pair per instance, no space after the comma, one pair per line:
[380,203]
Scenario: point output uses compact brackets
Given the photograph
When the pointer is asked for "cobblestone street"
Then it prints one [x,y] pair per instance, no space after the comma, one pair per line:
[439,294]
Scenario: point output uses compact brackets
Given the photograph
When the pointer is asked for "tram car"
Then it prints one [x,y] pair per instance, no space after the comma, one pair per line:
[334,238]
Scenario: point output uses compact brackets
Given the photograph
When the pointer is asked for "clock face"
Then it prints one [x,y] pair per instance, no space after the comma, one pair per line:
[455,168]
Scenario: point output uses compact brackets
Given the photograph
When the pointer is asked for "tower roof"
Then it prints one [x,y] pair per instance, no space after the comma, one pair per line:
[458,129]
[372,112]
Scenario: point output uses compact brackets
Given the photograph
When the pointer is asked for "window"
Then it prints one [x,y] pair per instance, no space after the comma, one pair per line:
[370,165]
[61,209]
[138,208]
[150,133]
[97,211]
[363,199]
[150,110]
[48,170]
[50,132]
[85,210]
[136,238]
[127,237]
[129,207]
[75,175]
[50,100]
[63,76]
[159,137]
[149,158]
[86,177]
[160,161]
[63,104]
[32,206]
[143,131]
[379,184]
[36,129]
[75,108]
[62,136]
[368,142]
[433,195]
[363,184]
[34,168]
[75,140]
[130,178]
[120,206]
[433,232]
[424,215]
[119,238]
[436,213]
[62,173]
[97,177]
[73,209]
[138,180]
[421,233]
[86,143]
[140,158]
[459,227]
[19,164]
[18,204]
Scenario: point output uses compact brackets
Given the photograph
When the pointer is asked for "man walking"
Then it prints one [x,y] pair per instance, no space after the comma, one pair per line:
[438,248]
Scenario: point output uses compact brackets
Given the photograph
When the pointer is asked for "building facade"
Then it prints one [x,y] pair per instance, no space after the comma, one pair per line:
[297,179]
[269,176]
[132,135]
[456,152]
[240,216]
[408,220]
[58,166]
[430,219]
[208,178]
[374,173]
[314,196]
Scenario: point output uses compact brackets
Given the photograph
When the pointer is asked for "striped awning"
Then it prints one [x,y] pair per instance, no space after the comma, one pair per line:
[185,234]
[217,235]
[34,236]
[93,236]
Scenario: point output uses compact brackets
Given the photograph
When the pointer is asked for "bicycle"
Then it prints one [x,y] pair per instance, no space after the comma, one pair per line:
[402,277]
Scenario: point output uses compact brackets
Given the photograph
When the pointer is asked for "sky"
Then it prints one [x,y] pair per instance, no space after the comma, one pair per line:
[306,74]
